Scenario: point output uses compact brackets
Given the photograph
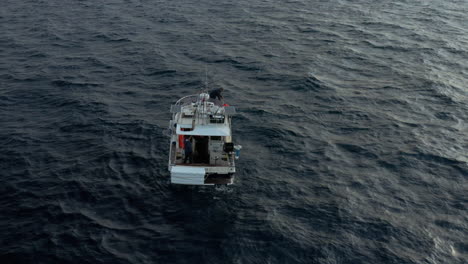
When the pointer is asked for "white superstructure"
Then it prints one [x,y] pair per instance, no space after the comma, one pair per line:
[207,124]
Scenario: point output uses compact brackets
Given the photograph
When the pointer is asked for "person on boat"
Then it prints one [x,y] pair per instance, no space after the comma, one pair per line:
[188,151]
[216,94]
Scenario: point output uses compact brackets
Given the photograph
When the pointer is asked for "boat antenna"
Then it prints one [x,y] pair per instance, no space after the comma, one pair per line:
[206,78]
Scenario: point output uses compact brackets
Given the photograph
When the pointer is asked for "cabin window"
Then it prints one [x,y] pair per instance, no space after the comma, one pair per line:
[215,137]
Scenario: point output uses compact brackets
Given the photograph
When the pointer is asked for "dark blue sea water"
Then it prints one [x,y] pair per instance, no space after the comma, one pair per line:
[352,115]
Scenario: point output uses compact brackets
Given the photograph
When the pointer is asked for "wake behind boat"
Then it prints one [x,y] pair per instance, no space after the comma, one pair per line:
[201,148]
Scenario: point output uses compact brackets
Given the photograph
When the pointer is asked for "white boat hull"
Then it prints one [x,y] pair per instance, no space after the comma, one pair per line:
[188,175]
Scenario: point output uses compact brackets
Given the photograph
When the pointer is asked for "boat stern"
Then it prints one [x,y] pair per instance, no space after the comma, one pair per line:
[197,175]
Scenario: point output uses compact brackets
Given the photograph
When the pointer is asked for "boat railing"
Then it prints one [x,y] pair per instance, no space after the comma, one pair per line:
[187,99]
[194,98]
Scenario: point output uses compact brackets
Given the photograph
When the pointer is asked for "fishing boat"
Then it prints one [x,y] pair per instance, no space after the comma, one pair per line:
[202,151]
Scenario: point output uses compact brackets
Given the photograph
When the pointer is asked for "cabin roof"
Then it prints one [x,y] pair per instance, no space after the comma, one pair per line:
[206,130]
